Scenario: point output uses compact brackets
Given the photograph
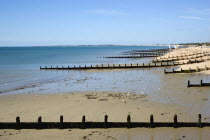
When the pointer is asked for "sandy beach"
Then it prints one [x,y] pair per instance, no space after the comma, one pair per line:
[95,105]
[167,96]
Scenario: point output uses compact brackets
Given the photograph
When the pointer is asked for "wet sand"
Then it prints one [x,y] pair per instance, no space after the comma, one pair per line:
[109,134]
[95,105]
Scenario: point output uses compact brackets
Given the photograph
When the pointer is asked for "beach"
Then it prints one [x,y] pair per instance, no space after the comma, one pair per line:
[95,105]
[116,93]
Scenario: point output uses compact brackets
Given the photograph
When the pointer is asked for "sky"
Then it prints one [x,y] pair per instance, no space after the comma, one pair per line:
[124,22]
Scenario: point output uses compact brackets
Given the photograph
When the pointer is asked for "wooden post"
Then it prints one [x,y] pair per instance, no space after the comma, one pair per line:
[199,121]
[128,121]
[155,64]
[149,64]
[17,122]
[164,71]
[108,65]
[119,65]
[143,64]
[181,69]
[57,67]
[113,65]
[83,122]
[51,67]
[161,64]
[137,64]
[102,65]
[79,66]
[201,82]
[131,64]
[91,66]
[68,66]
[106,121]
[40,67]
[190,69]
[61,122]
[74,66]
[39,122]
[125,65]
[151,121]
[175,121]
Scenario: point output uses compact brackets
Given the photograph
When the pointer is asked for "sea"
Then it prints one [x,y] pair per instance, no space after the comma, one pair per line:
[20,74]
[20,66]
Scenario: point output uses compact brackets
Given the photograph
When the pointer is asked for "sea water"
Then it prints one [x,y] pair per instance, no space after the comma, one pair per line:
[19,66]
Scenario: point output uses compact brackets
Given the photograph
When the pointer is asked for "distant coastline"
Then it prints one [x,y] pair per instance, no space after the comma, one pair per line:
[91,45]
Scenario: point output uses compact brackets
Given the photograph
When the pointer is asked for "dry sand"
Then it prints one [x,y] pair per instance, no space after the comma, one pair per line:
[190,51]
[94,105]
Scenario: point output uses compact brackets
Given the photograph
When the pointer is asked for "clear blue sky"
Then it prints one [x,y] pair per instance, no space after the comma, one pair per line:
[51,22]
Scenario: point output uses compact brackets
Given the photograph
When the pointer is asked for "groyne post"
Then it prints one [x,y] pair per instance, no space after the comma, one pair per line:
[128,121]
[199,121]
[151,121]
[175,121]
[61,122]
[39,122]
[201,82]
[17,122]
[188,83]
[106,121]
[83,122]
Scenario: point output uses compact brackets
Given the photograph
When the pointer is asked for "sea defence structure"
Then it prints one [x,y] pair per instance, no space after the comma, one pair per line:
[114,66]
[84,124]
[142,53]
[187,70]
[201,84]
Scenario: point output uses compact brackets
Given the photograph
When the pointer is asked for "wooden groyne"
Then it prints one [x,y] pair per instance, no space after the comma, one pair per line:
[186,55]
[187,70]
[145,53]
[135,56]
[148,51]
[114,66]
[201,84]
[181,58]
[84,124]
